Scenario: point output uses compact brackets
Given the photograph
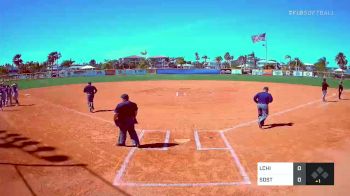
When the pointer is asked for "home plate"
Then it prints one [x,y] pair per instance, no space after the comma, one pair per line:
[181,141]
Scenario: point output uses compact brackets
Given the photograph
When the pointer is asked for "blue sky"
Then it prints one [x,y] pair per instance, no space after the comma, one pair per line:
[109,29]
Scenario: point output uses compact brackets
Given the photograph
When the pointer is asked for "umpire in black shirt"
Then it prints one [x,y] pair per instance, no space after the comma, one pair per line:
[125,118]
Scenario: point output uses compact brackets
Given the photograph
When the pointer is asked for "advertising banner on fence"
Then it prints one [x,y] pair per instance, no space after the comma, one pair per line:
[225,71]
[188,71]
[86,73]
[151,71]
[110,72]
[131,72]
[287,73]
[307,74]
[257,72]
[63,73]
[236,71]
[277,73]
[297,73]
[267,72]
[140,72]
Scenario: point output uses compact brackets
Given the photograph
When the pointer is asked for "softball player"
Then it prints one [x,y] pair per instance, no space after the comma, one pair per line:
[263,99]
[90,91]
[324,89]
[340,88]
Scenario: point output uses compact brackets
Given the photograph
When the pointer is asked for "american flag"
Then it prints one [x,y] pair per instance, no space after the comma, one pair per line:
[258,38]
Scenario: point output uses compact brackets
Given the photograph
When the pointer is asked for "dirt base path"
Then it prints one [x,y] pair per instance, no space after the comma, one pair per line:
[53,145]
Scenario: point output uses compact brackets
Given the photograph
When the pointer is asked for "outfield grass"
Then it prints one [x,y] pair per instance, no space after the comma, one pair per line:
[26,84]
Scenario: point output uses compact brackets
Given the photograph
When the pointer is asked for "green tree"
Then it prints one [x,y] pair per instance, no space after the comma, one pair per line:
[17,60]
[252,59]
[144,64]
[218,60]
[289,58]
[67,63]
[4,70]
[341,60]
[297,64]
[228,58]
[180,61]
[92,62]
[52,58]
[33,67]
[242,60]
[107,65]
[321,64]
[205,57]
[144,54]
[197,57]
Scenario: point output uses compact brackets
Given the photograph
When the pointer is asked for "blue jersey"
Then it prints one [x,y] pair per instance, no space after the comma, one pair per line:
[263,98]
[3,92]
[8,90]
[15,89]
[91,90]
[126,112]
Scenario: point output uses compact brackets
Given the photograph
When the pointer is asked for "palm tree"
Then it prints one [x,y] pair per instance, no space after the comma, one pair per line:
[17,60]
[92,62]
[228,58]
[218,60]
[144,54]
[297,64]
[205,57]
[288,57]
[341,60]
[180,61]
[242,60]
[252,58]
[296,60]
[197,58]
[67,63]
[52,58]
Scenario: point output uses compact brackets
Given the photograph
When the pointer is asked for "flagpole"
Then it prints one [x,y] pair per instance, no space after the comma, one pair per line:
[266,50]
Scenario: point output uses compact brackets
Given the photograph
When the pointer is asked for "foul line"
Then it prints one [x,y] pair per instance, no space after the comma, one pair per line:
[87,115]
[118,178]
[275,114]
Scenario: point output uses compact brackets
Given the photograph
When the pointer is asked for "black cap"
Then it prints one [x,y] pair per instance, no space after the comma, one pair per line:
[125,96]
[89,82]
[266,88]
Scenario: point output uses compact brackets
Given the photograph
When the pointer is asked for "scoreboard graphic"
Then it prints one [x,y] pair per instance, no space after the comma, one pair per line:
[290,174]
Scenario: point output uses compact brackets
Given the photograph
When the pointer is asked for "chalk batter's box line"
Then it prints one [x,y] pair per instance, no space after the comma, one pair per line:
[199,145]
[118,180]
[199,184]
[131,152]
[233,154]
[165,144]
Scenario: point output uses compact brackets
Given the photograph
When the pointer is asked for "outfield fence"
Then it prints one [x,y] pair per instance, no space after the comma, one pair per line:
[126,72]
